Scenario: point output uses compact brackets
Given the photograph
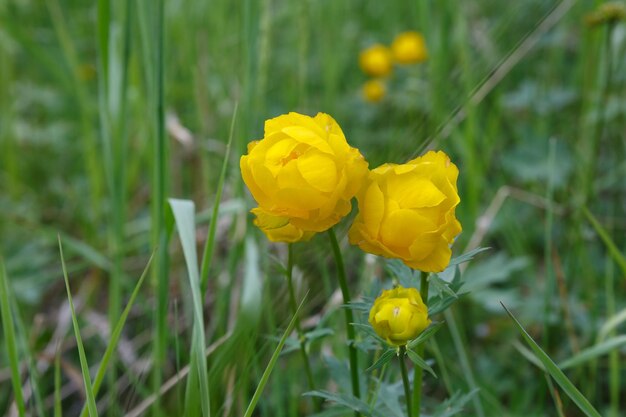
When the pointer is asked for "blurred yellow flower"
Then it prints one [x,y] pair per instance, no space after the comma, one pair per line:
[399,315]
[374,90]
[407,212]
[409,48]
[303,175]
[610,12]
[376,60]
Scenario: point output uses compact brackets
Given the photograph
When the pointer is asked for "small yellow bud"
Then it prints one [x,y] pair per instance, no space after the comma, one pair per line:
[374,91]
[399,315]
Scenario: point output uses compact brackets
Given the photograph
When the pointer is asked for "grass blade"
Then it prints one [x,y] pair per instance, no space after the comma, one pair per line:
[9,340]
[58,412]
[210,241]
[91,400]
[270,366]
[570,390]
[606,239]
[184,216]
[594,351]
[115,335]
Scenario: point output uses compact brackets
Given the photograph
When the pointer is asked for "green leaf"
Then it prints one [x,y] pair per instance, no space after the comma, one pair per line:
[466,257]
[184,216]
[611,323]
[418,361]
[425,335]
[554,371]
[318,334]
[116,334]
[399,270]
[270,366]
[207,256]
[594,351]
[384,358]
[91,399]
[9,340]
[369,330]
[348,401]
[441,286]
[440,304]
[454,405]
[608,242]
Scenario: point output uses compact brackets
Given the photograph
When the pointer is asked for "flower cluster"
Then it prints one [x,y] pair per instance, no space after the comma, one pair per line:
[377,61]
[304,175]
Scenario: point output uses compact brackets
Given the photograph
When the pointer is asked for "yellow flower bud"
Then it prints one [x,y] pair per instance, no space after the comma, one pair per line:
[399,315]
[303,175]
[409,48]
[373,90]
[407,212]
[376,61]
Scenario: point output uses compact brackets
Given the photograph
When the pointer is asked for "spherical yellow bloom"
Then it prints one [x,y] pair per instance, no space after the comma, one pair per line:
[374,90]
[303,175]
[409,48]
[376,60]
[399,315]
[407,212]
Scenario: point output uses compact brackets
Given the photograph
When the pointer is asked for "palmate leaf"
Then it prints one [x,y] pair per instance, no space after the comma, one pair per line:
[425,335]
[383,360]
[399,270]
[570,390]
[458,260]
[454,405]
[348,401]
[368,330]
[418,361]
[440,304]
[441,286]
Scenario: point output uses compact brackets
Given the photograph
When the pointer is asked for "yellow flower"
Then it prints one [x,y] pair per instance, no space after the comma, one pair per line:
[399,315]
[610,12]
[303,175]
[373,90]
[409,48]
[407,212]
[376,60]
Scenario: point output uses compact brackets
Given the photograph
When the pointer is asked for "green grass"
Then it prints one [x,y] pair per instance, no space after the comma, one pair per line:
[526,98]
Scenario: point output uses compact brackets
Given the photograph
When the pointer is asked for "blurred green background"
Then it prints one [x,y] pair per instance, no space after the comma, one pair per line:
[109,108]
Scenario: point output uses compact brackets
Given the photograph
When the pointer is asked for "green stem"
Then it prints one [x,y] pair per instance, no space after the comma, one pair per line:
[301,339]
[419,372]
[405,381]
[343,284]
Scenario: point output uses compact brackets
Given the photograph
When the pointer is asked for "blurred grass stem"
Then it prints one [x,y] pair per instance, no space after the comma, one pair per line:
[301,337]
[343,284]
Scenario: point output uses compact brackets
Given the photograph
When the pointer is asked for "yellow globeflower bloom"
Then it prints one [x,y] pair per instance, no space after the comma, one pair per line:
[303,175]
[374,90]
[376,60]
[407,212]
[399,315]
[409,48]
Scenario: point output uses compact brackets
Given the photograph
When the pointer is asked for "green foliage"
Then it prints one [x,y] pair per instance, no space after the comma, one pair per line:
[109,108]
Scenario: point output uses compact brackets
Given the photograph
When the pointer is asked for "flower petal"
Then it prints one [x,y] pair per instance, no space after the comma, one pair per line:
[318,170]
